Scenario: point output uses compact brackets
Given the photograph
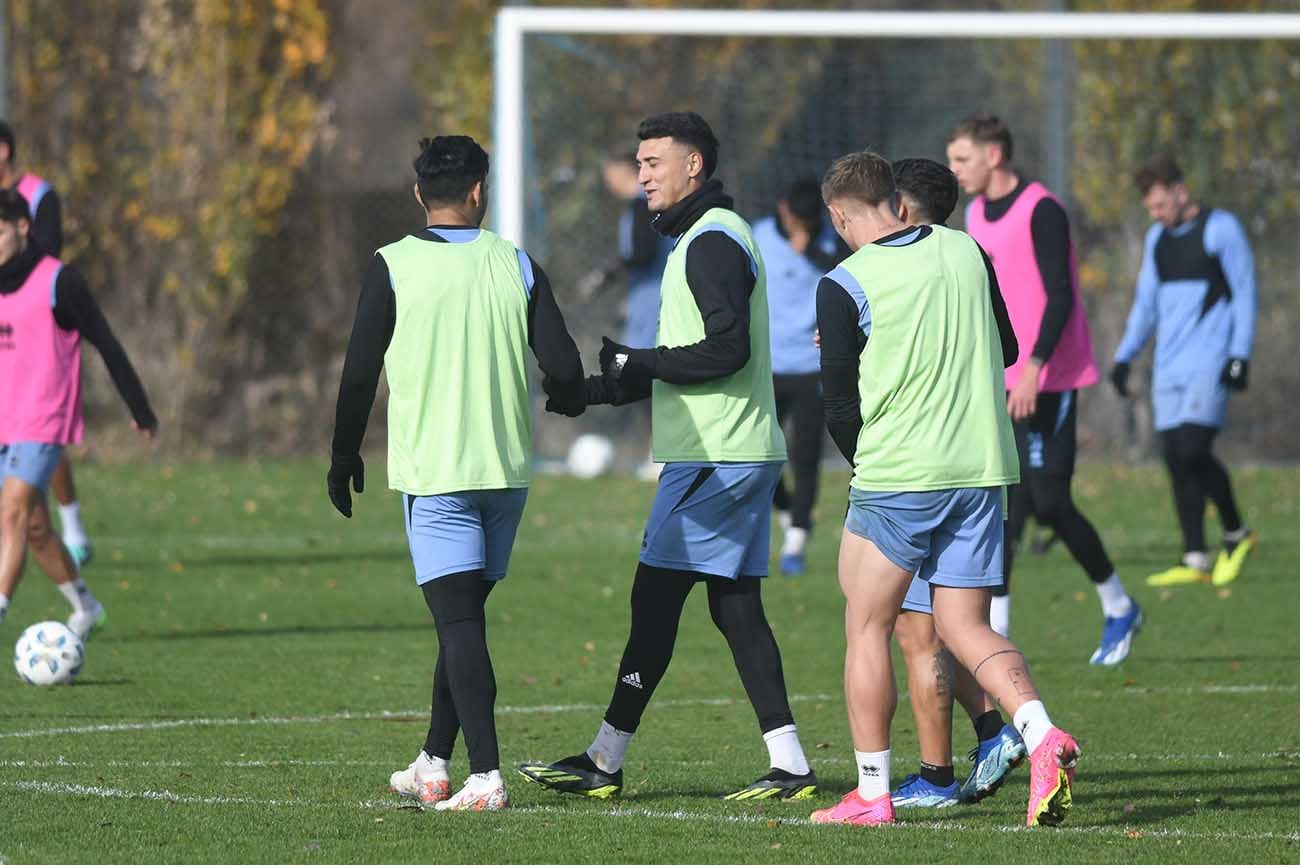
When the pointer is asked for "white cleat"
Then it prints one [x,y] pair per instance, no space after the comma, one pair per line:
[424,779]
[83,622]
[482,792]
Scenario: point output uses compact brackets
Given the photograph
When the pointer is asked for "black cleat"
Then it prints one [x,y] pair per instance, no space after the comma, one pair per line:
[777,784]
[577,775]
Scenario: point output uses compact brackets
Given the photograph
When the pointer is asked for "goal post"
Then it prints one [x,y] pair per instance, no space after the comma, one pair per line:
[515,23]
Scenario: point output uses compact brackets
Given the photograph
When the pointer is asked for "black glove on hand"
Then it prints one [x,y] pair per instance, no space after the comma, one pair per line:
[570,401]
[632,367]
[1119,378]
[1234,373]
[342,470]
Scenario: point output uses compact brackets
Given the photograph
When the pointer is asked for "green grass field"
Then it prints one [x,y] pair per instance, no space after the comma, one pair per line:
[267,665]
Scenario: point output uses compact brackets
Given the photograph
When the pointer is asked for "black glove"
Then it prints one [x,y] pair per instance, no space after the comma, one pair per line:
[1119,378]
[632,367]
[568,400]
[342,470]
[1234,373]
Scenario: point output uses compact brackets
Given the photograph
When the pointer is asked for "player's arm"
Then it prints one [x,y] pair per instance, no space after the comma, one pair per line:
[1225,237]
[721,277]
[372,331]
[47,224]
[75,309]
[1006,333]
[548,337]
[1142,317]
[843,323]
[1050,230]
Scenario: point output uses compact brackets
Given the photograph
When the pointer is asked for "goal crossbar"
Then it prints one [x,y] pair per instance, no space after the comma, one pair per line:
[514,23]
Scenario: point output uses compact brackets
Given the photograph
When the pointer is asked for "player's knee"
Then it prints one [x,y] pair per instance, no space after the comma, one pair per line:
[1053,504]
[14,515]
[38,530]
[916,636]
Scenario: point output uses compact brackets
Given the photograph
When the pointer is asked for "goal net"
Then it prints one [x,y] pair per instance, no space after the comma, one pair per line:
[786,94]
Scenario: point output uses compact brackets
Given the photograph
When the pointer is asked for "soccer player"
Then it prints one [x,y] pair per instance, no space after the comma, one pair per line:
[47,235]
[1196,293]
[450,312]
[927,195]
[710,385]
[797,246]
[45,312]
[914,341]
[1025,231]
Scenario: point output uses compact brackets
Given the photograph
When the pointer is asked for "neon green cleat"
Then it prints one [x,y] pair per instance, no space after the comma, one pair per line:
[1227,567]
[777,784]
[1179,575]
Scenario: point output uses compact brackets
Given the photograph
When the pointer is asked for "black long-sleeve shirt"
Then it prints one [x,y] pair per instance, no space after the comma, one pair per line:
[47,224]
[721,278]
[1049,229]
[643,243]
[76,310]
[843,340]
[372,331]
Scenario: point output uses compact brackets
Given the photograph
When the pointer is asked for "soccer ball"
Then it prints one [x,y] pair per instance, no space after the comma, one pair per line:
[49,653]
[591,455]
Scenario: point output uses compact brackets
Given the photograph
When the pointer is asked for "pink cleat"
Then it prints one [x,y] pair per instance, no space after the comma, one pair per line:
[855,811]
[1051,777]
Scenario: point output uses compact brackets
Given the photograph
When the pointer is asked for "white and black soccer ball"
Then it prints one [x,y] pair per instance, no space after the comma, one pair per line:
[591,455]
[49,653]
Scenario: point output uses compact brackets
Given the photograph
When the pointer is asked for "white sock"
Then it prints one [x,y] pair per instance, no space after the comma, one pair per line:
[70,518]
[873,773]
[784,520]
[1238,536]
[784,750]
[1115,601]
[795,541]
[1197,559]
[434,768]
[1000,614]
[4,607]
[609,748]
[1032,722]
[78,594]
[484,782]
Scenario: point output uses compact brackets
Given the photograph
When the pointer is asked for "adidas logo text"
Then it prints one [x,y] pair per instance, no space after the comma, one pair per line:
[633,679]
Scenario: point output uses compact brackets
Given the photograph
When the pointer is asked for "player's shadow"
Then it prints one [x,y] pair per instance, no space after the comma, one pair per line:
[1124,790]
[101,683]
[287,630]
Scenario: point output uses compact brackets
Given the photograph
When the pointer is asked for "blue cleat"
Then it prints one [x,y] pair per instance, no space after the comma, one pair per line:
[916,792]
[794,564]
[994,759]
[1117,637]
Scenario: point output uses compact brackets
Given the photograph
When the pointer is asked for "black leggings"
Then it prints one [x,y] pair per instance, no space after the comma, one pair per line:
[464,685]
[799,396]
[658,596]
[1047,497]
[1197,474]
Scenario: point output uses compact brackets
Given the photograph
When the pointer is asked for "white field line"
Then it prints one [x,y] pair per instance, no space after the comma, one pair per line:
[560,708]
[551,709]
[60,789]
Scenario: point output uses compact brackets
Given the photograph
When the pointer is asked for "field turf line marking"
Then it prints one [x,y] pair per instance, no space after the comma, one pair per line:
[94,791]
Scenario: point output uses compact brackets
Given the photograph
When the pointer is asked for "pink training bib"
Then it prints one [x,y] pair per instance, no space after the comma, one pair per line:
[32,188]
[40,364]
[1010,244]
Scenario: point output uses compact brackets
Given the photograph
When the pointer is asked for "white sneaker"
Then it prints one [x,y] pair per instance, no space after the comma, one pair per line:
[83,622]
[425,779]
[483,792]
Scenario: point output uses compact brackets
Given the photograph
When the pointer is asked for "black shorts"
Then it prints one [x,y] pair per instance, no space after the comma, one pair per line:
[1047,440]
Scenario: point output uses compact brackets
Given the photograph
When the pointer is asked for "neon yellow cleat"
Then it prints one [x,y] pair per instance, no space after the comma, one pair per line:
[1179,575]
[1228,566]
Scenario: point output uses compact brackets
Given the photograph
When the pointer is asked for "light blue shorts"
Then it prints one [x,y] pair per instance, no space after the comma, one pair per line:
[30,462]
[457,532]
[712,518]
[918,597]
[1201,400]
[944,537]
